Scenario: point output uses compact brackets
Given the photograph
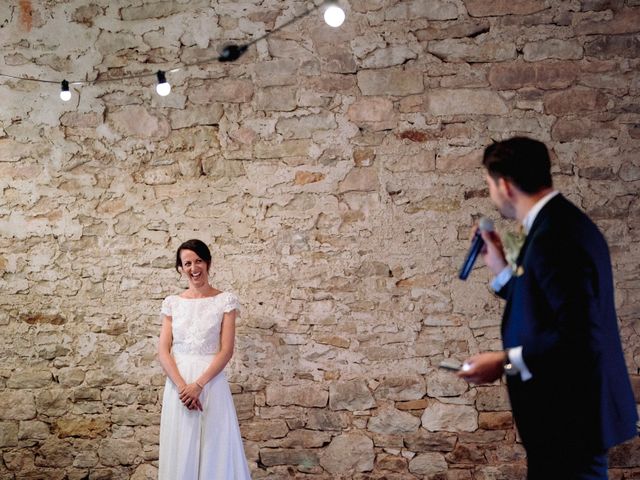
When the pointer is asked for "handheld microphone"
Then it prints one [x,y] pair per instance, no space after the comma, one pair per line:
[485,225]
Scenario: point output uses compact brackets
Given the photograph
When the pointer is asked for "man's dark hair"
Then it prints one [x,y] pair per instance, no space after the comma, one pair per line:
[523,161]
[197,246]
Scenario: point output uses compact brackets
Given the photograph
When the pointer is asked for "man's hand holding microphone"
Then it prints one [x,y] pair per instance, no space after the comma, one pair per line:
[489,366]
[487,242]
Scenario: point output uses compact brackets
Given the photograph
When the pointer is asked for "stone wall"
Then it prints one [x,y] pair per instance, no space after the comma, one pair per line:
[335,173]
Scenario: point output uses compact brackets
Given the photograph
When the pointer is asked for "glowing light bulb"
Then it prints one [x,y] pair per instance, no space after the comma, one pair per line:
[65,94]
[334,16]
[163,88]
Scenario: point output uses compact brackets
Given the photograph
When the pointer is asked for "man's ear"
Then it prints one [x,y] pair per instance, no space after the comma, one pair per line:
[506,187]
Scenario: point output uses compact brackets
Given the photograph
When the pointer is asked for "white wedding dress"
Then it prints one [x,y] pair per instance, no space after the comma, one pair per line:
[199,445]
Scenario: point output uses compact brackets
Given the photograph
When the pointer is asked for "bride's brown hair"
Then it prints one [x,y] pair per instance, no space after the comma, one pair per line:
[197,246]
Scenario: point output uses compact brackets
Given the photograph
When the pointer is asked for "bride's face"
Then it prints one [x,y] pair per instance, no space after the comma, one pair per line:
[194,268]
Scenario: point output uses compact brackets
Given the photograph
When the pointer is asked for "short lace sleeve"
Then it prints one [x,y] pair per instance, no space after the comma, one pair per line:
[166,307]
[231,303]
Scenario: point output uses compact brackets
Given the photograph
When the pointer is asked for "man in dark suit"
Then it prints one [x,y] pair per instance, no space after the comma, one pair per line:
[566,375]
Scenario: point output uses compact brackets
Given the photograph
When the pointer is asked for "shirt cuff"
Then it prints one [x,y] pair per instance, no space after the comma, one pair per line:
[501,279]
[515,357]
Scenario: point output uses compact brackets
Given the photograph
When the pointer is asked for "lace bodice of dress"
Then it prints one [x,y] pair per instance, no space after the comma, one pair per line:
[196,322]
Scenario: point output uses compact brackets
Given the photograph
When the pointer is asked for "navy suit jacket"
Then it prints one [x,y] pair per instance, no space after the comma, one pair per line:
[560,309]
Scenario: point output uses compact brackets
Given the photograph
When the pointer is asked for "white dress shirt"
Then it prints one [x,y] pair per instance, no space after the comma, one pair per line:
[500,280]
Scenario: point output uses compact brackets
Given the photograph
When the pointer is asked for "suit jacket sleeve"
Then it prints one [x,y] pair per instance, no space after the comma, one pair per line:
[504,291]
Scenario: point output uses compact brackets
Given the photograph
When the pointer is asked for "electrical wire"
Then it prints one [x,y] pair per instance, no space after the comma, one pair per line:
[229,53]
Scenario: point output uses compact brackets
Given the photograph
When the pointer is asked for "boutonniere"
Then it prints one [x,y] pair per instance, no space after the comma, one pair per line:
[512,243]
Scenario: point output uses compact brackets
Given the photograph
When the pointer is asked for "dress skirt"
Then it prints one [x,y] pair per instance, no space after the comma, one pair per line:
[200,445]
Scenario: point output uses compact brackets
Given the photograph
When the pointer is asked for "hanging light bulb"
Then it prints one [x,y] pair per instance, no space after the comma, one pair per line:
[65,94]
[334,16]
[163,88]
[232,52]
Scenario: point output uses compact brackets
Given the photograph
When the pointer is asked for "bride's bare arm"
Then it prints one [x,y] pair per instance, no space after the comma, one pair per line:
[227,343]
[171,369]
[164,354]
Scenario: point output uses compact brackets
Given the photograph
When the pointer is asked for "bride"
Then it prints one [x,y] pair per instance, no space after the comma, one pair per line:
[199,434]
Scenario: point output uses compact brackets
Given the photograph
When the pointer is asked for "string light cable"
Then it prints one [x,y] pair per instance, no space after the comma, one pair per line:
[334,16]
